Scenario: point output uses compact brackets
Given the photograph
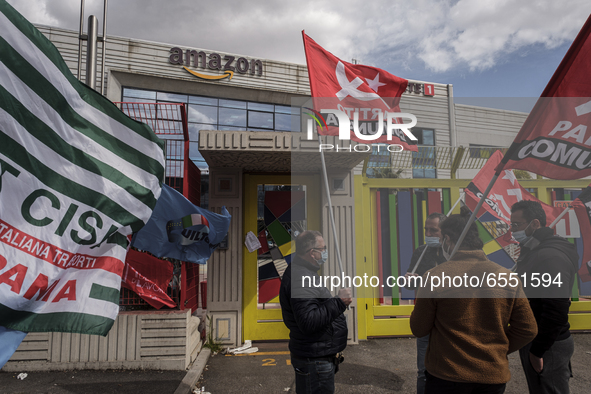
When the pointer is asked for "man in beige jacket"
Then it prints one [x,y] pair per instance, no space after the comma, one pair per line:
[475,312]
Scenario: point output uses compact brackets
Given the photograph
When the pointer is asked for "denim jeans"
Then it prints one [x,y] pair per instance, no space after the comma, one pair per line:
[422,345]
[313,375]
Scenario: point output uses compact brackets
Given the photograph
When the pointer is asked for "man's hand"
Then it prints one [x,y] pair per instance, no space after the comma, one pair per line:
[536,362]
[346,296]
[410,275]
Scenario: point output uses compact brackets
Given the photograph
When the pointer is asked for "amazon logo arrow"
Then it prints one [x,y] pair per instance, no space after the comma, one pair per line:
[227,74]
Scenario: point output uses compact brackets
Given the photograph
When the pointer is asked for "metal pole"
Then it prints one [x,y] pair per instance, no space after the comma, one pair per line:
[91,51]
[330,214]
[455,205]
[559,217]
[104,49]
[419,260]
[473,216]
[80,38]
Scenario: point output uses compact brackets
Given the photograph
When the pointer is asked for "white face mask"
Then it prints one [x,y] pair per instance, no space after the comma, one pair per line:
[432,242]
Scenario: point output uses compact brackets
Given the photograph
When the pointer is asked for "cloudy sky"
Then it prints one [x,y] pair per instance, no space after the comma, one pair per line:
[485,48]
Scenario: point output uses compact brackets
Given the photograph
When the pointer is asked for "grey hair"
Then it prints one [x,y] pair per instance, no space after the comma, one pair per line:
[306,241]
[437,215]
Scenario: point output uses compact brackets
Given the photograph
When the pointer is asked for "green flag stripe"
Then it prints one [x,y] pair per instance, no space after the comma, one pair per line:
[92,97]
[44,89]
[52,140]
[66,186]
[82,323]
[104,293]
[124,134]
[72,172]
[119,239]
[187,221]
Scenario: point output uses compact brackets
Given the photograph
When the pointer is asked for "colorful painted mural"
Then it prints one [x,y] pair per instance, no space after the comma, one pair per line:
[284,212]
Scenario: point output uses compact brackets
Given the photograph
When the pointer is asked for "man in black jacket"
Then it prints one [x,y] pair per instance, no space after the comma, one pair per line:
[546,267]
[317,325]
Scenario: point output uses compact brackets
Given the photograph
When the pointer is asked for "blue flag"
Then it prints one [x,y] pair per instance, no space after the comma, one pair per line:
[9,341]
[180,230]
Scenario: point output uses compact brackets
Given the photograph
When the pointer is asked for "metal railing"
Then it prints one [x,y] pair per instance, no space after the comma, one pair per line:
[437,157]
[169,122]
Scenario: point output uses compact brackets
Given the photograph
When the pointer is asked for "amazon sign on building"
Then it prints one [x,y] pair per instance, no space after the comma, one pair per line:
[228,64]
[247,116]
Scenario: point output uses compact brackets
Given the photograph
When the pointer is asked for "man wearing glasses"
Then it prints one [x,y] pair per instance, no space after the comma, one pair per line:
[316,320]
[546,267]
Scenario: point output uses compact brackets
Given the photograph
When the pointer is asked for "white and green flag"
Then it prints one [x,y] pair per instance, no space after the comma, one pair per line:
[76,177]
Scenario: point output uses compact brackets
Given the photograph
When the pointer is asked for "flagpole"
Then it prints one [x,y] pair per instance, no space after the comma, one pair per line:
[327,188]
[424,250]
[559,217]
[419,260]
[473,216]
[455,205]
[334,229]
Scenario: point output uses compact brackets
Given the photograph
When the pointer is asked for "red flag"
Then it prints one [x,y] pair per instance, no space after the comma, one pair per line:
[554,141]
[582,207]
[147,276]
[505,192]
[351,88]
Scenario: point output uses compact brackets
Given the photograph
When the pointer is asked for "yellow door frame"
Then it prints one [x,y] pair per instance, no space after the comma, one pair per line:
[267,324]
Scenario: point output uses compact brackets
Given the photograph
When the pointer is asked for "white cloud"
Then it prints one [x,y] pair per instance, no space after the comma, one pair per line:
[439,35]
[35,12]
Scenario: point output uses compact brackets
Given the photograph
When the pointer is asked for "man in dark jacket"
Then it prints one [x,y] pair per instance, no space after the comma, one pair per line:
[546,266]
[317,325]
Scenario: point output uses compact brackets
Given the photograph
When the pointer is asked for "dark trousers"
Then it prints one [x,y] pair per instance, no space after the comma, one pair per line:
[440,386]
[314,375]
[556,372]
[422,345]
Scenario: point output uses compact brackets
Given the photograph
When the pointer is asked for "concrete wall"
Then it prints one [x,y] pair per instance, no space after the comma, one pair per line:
[488,127]
[224,268]
[151,59]
[343,208]
[137,340]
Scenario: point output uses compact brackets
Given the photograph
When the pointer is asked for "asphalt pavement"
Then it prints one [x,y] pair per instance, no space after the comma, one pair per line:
[91,382]
[385,365]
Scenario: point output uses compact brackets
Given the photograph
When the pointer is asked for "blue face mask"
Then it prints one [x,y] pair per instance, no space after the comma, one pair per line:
[323,257]
[432,242]
[520,236]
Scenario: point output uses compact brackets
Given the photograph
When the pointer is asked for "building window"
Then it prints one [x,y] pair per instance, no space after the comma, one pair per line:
[424,161]
[210,113]
[232,117]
